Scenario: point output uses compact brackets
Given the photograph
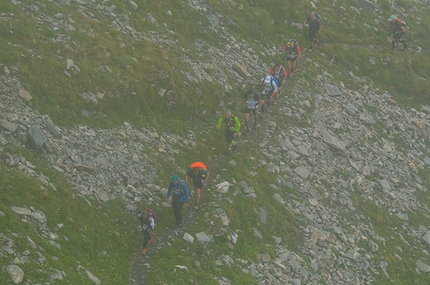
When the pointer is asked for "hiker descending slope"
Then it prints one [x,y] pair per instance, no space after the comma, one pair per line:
[251,99]
[179,199]
[268,89]
[398,27]
[148,224]
[199,174]
[232,125]
[292,54]
[315,27]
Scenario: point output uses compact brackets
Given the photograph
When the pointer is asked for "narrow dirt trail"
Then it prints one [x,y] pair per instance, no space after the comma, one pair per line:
[141,263]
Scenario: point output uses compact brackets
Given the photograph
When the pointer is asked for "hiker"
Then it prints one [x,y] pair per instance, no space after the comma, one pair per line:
[198,173]
[315,27]
[268,89]
[292,54]
[179,198]
[278,73]
[398,27]
[148,224]
[251,99]
[232,124]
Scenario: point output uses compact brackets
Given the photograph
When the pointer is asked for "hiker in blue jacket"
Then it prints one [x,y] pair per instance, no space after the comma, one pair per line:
[179,198]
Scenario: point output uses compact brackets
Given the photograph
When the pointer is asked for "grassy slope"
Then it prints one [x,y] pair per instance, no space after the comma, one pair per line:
[140,68]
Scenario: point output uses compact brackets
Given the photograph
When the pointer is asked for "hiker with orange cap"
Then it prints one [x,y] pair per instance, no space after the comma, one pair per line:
[199,174]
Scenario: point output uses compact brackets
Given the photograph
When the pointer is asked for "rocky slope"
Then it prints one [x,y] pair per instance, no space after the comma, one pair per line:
[354,150]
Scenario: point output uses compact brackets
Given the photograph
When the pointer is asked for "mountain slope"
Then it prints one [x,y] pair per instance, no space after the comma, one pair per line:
[330,189]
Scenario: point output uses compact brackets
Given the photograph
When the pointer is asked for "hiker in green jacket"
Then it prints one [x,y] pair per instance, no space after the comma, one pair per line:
[232,124]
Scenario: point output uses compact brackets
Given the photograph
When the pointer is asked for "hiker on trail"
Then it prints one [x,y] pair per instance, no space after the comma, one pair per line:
[315,27]
[292,54]
[200,176]
[232,124]
[180,197]
[148,224]
[398,27]
[251,99]
[278,73]
[268,90]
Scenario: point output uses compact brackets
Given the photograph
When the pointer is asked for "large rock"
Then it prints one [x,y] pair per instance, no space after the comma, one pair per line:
[331,139]
[16,273]
[36,137]
[239,68]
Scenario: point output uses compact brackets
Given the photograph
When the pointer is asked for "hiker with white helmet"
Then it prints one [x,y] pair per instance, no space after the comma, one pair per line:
[268,89]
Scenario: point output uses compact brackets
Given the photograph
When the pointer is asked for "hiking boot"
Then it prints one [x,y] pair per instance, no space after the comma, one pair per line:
[149,241]
[144,251]
[309,50]
[254,125]
[196,206]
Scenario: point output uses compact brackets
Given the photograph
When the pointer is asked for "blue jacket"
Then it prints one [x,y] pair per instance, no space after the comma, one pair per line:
[180,191]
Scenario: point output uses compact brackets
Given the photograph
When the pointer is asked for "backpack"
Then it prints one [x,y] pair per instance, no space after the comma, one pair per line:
[178,192]
[399,23]
[148,210]
[198,164]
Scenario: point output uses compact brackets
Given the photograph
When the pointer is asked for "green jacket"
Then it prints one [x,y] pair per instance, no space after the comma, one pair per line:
[232,123]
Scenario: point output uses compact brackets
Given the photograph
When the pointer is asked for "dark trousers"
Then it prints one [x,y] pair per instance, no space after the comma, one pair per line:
[146,237]
[229,136]
[177,207]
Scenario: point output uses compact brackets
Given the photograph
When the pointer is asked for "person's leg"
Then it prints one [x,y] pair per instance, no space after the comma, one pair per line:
[146,238]
[402,40]
[197,201]
[255,112]
[293,65]
[311,39]
[288,68]
[177,207]
[246,119]
[261,106]
[229,138]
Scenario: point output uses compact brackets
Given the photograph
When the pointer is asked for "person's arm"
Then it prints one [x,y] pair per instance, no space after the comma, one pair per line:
[319,30]
[236,124]
[151,223]
[207,177]
[187,194]
[275,88]
[305,22]
[218,126]
[299,52]
[187,175]
[169,189]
